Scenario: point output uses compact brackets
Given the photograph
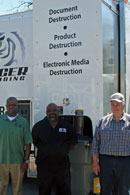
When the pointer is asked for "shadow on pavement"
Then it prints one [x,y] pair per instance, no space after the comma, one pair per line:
[29,187]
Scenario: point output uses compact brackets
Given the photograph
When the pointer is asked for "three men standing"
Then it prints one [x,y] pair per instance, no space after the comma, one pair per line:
[54,138]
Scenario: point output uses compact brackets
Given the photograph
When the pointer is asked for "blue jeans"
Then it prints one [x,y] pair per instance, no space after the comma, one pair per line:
[114,172]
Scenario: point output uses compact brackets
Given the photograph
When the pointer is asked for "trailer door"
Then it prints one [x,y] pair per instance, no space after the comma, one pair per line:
[110,23]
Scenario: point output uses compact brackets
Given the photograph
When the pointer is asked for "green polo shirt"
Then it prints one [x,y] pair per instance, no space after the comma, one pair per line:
[14,135]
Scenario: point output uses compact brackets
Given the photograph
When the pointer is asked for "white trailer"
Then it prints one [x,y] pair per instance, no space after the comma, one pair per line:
[16,63]
[73,54]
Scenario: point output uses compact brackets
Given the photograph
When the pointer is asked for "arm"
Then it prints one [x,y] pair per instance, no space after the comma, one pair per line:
[96,167]
[27,152]
[24,166]
[35,130]
[95,149]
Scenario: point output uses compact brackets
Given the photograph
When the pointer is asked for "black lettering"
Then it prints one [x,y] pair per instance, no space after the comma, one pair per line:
[15,79]
[22,78]
[73,62]
[51,72]
[22,71]
[5,79]
[12,71]
[2,109]
[3,72]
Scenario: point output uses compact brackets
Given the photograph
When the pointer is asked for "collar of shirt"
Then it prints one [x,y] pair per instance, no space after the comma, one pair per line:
[6,117]
[122,118]
[12,118]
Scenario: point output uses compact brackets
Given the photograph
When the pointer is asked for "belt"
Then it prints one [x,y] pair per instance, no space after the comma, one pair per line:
[115,156]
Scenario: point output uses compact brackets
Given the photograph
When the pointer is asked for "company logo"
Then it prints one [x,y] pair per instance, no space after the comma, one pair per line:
[12,49]
[12,56]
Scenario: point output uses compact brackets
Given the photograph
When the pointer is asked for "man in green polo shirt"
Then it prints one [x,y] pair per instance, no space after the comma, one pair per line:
[15,144]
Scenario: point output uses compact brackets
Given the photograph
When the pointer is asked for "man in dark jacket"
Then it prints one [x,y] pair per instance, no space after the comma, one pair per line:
[53,138]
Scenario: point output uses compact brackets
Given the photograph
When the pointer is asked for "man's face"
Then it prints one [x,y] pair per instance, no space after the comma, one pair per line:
[117,108]
[12,107]
[52,113]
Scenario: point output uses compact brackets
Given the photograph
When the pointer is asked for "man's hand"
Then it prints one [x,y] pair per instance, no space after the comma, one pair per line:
[96,167]
[24,167]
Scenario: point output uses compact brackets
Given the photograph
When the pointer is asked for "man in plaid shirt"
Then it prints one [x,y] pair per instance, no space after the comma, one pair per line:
[111,149]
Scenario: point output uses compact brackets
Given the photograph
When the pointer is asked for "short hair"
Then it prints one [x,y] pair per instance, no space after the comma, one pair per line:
[51,104]
[11,98]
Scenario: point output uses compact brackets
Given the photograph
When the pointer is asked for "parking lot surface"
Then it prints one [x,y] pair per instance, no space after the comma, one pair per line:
[29,187]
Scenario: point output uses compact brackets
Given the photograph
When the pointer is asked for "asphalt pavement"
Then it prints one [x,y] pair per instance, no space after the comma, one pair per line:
[29,187]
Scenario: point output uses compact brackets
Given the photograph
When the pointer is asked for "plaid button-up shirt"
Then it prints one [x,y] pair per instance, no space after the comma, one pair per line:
[112,137]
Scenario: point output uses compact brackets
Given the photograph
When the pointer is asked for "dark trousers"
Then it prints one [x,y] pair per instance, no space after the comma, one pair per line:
[59,180]
[114,173]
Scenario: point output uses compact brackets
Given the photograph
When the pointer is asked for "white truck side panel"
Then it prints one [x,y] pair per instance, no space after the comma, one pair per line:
[127,45]
[68,56]
[16,64]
